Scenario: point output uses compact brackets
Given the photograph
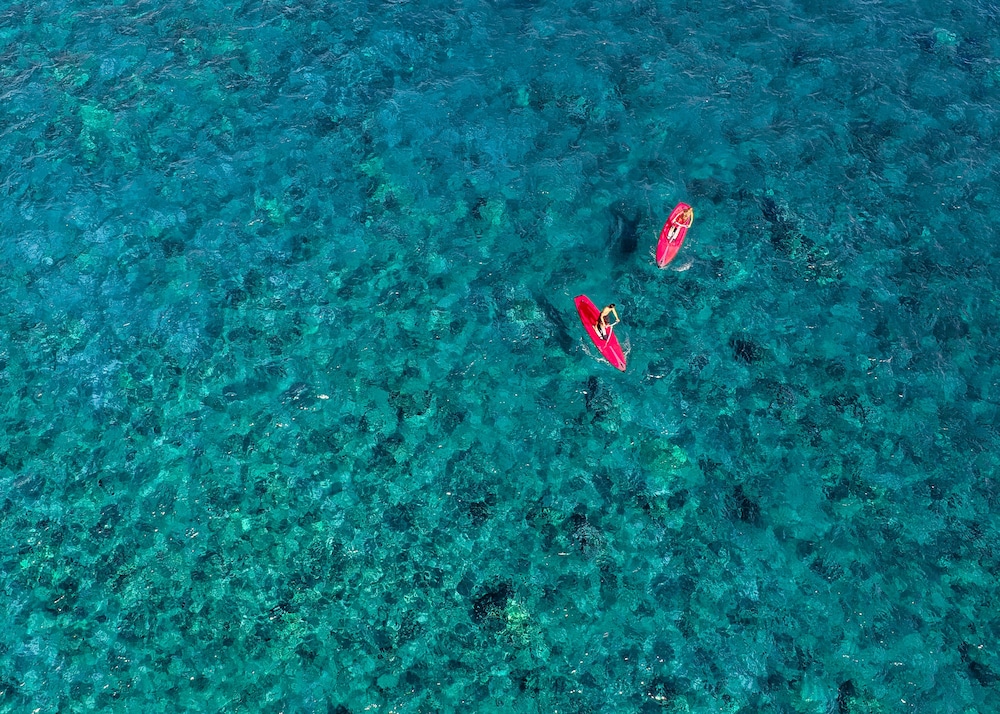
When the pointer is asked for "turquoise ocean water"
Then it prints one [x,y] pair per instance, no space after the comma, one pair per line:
[298,415]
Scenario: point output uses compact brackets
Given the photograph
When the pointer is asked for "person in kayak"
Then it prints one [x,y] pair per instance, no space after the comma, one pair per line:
[684,220]
[602,326]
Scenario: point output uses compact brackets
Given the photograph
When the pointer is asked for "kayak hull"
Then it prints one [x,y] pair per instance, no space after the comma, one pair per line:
[667,248]
[609,347]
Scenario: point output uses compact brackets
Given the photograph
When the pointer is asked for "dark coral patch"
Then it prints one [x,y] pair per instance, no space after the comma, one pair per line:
[744,349]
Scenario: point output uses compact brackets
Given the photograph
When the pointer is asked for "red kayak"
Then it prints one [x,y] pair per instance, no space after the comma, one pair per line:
[608,345]
[668,246]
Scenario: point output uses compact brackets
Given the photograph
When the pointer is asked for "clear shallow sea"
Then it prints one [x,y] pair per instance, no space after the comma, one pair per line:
[298,415]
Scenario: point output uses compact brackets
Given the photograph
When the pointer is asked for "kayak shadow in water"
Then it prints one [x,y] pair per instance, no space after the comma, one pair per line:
[623,236]
[554,317]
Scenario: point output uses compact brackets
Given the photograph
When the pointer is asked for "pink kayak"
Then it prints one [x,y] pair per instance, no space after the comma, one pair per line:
[608,345]
[668,246]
